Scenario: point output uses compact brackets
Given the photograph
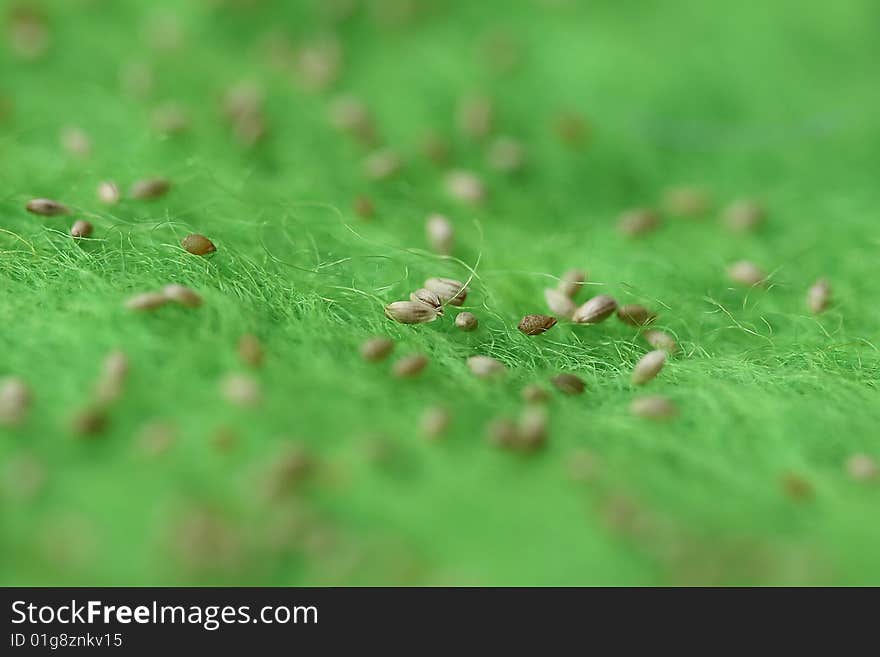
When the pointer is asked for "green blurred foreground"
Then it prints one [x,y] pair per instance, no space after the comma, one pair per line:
[776,101]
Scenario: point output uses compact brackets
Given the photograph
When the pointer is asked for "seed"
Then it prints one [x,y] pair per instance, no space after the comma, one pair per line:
[242,390]
[351,116]
[661,340]
[198,244]
[156,438]
[376,349]
[410,312]
[382,164]
[28,33]
[796,487]
[108,192]
[572,129]
[46,207]
[862,467]
[242,99]
[428,298]
[506,155]
[819,296]
[465,186]
[568,384]
[746,273]
[81,228]
[287,471]
[114,371]
[182,295]
[534,394]
[434,421]
[15,399]
[596,310]
[318,63]
[449,290]
[653,407]
[639,221]
[250,351]
[475,116]
[146,301]
[467,321]
[648,367]
[743,215]
[364,207]
[502,432]
[440,233]
[170,119]
[686,201]
[250,129]
[559,303]
[583,466]
[435,148]
[89,421]
[572,281]
[409,366]
[532,429]
[137,79]
[536,324]
[22,477]
[149,188]
[76,142]
[635,315]
[485,367]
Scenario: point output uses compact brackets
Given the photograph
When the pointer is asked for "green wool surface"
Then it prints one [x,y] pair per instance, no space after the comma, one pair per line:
[776,101]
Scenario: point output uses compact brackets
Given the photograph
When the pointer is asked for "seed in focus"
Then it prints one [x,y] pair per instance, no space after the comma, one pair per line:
[409,366]
[635,315]
[410,312]
[465,186]
[536,324]
[449,290]
[596,310]
[182,295]
[376,349]
[146,301]
[568,384]
[15,399]
[660,340]
[653,407]
[149,188]
[250,351]
[435,421]
[108,192]
[485,367]
[198,244]
[637,222]
[425,296]
[467,321]
[440,234]
[46,207]
[743,215]
[819,296]
[648,367]
[571,282]
[559,303]
[746,273]
[81,228]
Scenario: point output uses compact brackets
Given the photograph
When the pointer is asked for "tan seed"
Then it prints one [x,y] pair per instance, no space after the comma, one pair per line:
[149,188]
[243,99]
[382,164]
[746,273]
[318,63]
[81,228]
[536,324]
[502,432]
[819,296]
[661,340]
[465,186]
[449,290]
[485,367]
[441,235]
[241,390]
[467,321]
[170,119]
[571,282]
[156,438]
[114,372]
[743,215]
[653,407]
[635,315]
[534,394]
[76,142]
[596,310]
[182,295]
[28,33]
[108,192]
[146,301]
[532,428]
[364,207]
[583,466]
[376,349]
[435,421]
[198,244]
[46,207]
[862,467]
[351,116]
[428,298]
[410,366]
[476,116]
[410,312]
[250,351]
[648,367]
[568,384]
[506,155]
[559,303]
[15,400]
[637,222]
[686,201]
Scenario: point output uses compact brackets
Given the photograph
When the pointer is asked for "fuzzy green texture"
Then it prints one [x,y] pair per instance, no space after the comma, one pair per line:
[777,101]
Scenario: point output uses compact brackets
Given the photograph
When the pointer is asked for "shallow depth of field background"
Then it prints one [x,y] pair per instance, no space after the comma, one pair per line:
[777,101]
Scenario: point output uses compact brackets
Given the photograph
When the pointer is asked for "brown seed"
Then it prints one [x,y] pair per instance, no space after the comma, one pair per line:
[81,228]
[648,367]
[467,321]
[506,155]
[428,298]
[635,315]
[108,192]
[534,394]
[435,421]
[250,351]
[661,340]
[351,116]
[796,487]
[198,244]
[382,164]
[242,390]
[46,207]
[571,282]
[532,428]
[441,235]
[465,186]
[89,421]
[502,432]
[486,367]
[640,221]
[15,400]
[572,129]
[596,310]
[76,142]
[743,215]
[819,296]
[746,273]
[449,290]
[28,33]
[287,471]
[568,383]
[149,188]
[410,366]
[363,207]
[475,116]
[182,295]
[862,467]
[376,349]
[435,148]
[146,301]
[653,407]
[536,324]
[559,303]
[686,201]
[410,312]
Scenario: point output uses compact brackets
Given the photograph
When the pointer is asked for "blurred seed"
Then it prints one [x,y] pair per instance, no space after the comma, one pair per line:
[467,321]
[376,349]
[440,234]
[862,467]
[568,383]
[149,188]
[156,438]
[532,428]
[242,390]
[637,222]
[596,310]
[198,244]
[15,400]
[583,466]
[409,366]
[182,295]
[243,99]
[534,394]
[819,296]
[114,372]
[501,50]
[382,164]
[410,312]
[502,432]
[250,351]
[506,155]
[28,33]
[465,186]
[571,282]
[796,487]
[351,116]
[648,367]
[661,340]
[81,228]
[319,63]
[572,129]
[653,407]
[22,477]
[224,438]
[89,421]
[435,421]
[108,192]
[250,129]
[485,367]
[76,142]
[46,207]
[559,303]
[435,148]
[137,79]
[475,116]
[364,207]
[686,201]
[146,301]
[635,315]
[743,215]
[287,471]
[428,298]
[170,119]
[746,273]
[449,290]
[536,324]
